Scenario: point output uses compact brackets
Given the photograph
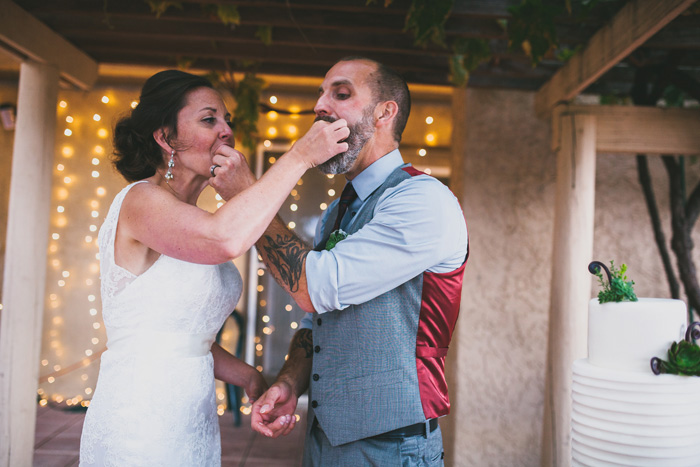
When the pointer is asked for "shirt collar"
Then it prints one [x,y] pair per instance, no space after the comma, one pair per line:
[373,176]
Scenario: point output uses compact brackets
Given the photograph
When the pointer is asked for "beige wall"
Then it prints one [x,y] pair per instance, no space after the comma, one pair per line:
[508,201]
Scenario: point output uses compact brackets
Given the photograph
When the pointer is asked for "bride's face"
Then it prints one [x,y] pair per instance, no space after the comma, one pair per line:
[202,127]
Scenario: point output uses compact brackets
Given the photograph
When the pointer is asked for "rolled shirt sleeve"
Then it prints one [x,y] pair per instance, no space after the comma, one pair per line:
[417,226]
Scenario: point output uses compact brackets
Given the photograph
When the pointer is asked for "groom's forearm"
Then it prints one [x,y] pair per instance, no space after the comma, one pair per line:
[297,369]
[284,254]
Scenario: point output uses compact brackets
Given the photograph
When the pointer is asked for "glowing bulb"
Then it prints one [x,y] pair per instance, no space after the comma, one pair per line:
[323,206]
[67,180]
[105,99]
[288,307]
[96,325]
[88,391]
[95,214]
[88,239]
[292,225]
[273,99]
[93,311]
[55,236]
[63,104]
[69,119]
[429,120]
[331,192]
[261,272]
[60,168]
[267,143]
[61,283]
[95,341]
[272,160]
[95,174]
[51,379]
[91,298]
[102,133]
[422,152]
[88,352]
[260,288]
[430,138]
[293,325]
[272,132]
[272,115]
[292,130]
[101,191]
[99,149]
[67,132]
[134,104]
[95,161]
[65,274]
[293,207]
[60,209]
[44,362]
[96,117]
[263,302]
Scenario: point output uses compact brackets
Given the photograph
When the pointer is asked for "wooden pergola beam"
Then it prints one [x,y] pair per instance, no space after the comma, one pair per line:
[637,130]
[636,22]
[29,39]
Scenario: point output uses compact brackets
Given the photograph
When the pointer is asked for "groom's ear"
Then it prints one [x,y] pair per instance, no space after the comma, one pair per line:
[161,139]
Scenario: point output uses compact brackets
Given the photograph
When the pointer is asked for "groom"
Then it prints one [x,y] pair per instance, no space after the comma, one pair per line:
[382,303]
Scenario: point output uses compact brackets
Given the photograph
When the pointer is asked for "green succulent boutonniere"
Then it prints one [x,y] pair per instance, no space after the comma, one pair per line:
[618,288]
[683,356]
[335,237]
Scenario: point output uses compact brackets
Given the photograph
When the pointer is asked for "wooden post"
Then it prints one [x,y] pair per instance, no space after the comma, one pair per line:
[571,281]
[25,260]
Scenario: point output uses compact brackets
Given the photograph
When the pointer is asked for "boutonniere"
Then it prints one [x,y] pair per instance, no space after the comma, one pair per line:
[335,237]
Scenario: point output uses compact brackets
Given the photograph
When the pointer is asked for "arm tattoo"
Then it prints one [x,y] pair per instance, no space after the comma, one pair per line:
[303,340]
[286,255]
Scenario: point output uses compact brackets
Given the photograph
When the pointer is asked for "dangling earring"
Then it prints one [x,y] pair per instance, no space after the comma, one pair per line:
[171,163]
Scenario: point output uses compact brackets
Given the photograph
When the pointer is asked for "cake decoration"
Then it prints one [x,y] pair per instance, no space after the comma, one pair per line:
[683,356]
[618,288]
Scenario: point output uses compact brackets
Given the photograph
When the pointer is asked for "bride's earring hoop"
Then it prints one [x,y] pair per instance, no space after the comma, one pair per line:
[171,163]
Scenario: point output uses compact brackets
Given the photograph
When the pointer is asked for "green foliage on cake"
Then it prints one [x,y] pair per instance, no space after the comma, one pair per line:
[683,356]
[618,288]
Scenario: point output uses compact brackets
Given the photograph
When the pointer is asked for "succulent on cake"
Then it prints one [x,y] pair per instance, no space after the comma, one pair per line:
[683,356]
[618,288]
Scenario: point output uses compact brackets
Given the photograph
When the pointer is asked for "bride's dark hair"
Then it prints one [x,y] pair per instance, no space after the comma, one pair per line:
[136,153]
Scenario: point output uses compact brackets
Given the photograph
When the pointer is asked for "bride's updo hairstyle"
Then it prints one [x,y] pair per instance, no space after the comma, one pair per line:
[136,152]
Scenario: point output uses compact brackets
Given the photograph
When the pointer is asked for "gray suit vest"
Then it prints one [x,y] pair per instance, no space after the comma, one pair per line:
[364,379]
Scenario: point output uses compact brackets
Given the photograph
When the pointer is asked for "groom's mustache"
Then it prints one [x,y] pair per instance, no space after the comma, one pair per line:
[325,118]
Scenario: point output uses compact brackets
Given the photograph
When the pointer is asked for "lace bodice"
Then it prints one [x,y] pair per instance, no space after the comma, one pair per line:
[154,403]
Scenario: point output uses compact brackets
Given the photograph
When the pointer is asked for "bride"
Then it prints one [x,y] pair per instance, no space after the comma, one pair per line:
[168,282]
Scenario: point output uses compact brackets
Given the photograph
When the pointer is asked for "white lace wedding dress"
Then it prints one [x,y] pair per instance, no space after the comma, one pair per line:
[154,404]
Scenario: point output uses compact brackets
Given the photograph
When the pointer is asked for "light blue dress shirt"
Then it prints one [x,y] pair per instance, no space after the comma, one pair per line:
[418,226]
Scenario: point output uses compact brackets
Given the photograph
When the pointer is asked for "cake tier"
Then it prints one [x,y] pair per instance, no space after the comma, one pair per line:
[626,335]
[634,419]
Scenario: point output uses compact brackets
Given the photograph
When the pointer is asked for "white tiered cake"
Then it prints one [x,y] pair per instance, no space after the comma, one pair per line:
[622,413]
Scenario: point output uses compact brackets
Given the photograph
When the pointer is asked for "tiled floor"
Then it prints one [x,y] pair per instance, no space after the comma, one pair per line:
[57,441]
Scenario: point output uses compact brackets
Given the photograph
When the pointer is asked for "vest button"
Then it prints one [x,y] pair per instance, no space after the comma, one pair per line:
[319,321]
[314,404]
[316,377]
[317,349]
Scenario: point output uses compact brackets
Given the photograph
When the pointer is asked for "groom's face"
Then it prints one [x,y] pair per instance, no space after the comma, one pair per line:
[346,93]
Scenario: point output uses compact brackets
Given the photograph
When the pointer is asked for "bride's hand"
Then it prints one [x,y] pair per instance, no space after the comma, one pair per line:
[233,174]
[256,386]
[323,141]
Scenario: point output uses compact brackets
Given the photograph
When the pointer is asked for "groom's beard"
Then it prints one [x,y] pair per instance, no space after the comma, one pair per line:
[360,133]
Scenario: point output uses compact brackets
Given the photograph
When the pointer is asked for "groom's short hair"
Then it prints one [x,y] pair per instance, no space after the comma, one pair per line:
[388,85]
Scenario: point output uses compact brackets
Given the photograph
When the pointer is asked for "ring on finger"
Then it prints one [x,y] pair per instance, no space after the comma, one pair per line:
[212,169]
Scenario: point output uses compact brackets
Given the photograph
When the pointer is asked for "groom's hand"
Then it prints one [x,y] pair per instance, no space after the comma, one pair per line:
[233,174]
[273,414]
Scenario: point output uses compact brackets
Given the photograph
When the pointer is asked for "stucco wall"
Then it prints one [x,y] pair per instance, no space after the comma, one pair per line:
[509,176]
